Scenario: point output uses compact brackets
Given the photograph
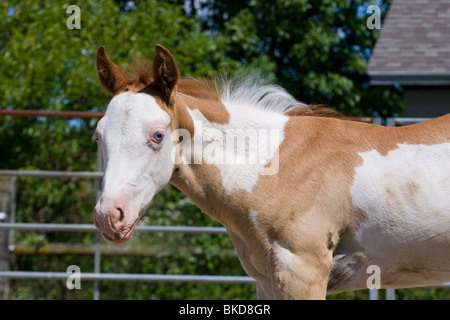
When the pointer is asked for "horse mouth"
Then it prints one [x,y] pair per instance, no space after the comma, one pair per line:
[121,236]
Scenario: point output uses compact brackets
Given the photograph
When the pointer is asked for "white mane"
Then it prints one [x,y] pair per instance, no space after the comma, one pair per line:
[255,91]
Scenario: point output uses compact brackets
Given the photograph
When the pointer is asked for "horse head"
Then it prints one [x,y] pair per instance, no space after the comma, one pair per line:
[135,138]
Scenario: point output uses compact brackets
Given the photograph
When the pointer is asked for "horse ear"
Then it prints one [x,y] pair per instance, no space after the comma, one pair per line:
[166,72]
[110,75]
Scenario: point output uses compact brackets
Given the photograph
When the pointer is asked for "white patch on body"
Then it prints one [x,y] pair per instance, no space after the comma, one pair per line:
[242,148]
[281,252]
[405,198]
[254,217]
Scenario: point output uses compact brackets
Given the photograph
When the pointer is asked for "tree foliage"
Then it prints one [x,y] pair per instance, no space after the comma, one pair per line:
[317,50]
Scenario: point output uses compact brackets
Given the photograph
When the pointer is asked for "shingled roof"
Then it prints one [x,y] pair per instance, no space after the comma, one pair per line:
[414,44]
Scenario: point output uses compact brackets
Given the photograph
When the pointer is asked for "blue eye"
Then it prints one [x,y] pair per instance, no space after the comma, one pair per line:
[158,136]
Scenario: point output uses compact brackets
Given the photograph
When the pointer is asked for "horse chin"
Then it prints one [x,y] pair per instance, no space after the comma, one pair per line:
[120,237]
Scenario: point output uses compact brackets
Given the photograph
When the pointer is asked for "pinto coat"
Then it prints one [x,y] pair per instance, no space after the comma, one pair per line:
[311,201]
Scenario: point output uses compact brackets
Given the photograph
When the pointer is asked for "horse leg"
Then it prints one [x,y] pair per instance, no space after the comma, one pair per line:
[299,276]
[263,292]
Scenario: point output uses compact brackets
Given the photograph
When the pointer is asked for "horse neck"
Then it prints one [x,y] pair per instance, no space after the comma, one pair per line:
[230,148]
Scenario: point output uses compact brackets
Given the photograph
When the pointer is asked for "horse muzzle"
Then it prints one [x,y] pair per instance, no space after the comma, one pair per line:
[114,220]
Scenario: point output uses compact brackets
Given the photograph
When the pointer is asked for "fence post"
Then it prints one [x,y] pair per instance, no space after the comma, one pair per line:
[373,294]
[390,294]
[377,120]
[390,122]
[7,214]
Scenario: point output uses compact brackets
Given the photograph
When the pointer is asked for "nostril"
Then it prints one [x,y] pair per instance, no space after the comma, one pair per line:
[97,218]
[116,217]
[121,215]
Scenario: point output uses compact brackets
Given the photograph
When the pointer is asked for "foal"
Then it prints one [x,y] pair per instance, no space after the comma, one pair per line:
[311,201]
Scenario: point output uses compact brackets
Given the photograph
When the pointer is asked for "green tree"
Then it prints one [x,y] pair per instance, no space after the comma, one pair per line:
[319,49]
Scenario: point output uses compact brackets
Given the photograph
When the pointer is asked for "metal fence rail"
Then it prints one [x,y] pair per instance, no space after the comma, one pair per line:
[91,228]
[128,277]
[51,113]
[392,122]
[52,174]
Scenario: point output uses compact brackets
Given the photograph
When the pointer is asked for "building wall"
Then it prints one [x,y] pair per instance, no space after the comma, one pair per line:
[421,101]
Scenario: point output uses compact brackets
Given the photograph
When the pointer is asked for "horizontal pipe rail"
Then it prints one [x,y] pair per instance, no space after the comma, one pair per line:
[407,121]
[52,114]
[99,114]
[127,277]
[141,277]
[360,119]
[95,114]
[52,174]
[91,228]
